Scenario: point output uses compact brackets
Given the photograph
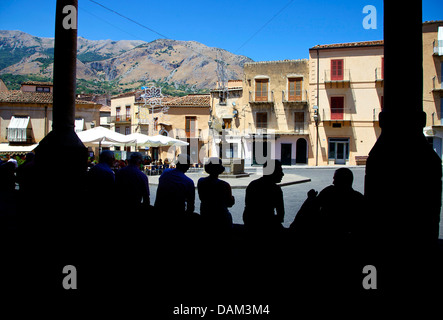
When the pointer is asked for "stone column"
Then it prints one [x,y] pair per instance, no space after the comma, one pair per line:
[403,174]
[61,157]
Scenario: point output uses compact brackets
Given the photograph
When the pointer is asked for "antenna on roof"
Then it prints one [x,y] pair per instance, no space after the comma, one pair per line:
[222,76]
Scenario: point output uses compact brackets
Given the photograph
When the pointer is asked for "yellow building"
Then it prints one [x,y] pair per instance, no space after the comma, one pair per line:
[346,93]
[432,83]
[26,116]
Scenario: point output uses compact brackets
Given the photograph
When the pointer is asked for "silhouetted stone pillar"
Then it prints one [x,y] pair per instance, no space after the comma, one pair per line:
[61,157]
[403,174]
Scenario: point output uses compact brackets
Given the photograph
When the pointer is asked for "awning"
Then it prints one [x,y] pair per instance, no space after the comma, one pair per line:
[6,148]
[17,129]
[79,124]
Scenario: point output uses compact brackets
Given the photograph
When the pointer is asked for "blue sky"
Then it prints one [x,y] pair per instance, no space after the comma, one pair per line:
[262,30]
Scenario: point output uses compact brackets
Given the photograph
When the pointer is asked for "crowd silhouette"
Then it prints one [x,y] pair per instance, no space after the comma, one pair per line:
[331,232]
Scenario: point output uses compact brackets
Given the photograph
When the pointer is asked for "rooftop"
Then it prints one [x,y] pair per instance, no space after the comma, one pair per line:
[191,100]
[18,96]
[37,83]
[349,45]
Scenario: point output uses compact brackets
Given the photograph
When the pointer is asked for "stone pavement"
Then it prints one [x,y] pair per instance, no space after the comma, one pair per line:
[240,183]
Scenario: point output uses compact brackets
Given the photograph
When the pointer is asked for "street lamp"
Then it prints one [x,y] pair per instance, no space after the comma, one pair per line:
[316,120]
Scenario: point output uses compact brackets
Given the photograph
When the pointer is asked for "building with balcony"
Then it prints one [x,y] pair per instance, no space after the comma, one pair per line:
[186,119]
[432,83]
[275,111]
[26,116]
[346,94]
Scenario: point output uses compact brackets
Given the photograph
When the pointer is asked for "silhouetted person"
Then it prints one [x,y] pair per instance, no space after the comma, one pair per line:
[264,206]
[216,197]
[335,215]
[132,185]
[101,177]
[175,192]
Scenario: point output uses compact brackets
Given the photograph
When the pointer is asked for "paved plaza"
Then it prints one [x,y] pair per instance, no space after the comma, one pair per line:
[303,178]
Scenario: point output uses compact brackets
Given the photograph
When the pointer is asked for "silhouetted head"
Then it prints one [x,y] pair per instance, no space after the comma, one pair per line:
[136,158]
[30,156]
[343,178]
[273,170]
[107,157]
[183,162]
[214,166]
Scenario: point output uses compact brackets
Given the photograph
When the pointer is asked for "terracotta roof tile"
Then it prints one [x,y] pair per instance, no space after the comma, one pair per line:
[18,96]
[38,83]
[350,45]
[191,100]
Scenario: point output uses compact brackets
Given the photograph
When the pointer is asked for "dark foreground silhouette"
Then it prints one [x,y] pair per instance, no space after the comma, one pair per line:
[180,256]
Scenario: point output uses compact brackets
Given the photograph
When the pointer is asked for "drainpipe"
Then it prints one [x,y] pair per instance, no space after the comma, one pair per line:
[318,109]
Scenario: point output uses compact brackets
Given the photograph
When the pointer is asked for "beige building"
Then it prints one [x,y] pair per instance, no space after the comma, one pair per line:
[267,115]
[346,92]
[185,118]
[26,116]
[432,83]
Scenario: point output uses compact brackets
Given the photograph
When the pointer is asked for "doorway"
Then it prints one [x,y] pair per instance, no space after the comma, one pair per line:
[286,154]
[301,154]
[338,150]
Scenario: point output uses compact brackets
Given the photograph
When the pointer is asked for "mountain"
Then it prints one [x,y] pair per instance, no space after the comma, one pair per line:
[122,65]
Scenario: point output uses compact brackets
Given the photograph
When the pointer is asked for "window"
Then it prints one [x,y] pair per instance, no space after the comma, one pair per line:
[337,108]
[43,89]
[127,130]
[261,90]
[299,123]
[295,89]
[117,114]
[337,69]
[261,120]
[155,124]
[19,129]
[227,123]
[190,127]
[117,129]
[128,113]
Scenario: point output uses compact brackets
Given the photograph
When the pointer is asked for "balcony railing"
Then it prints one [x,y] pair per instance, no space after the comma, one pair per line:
[344,77]
[258,97]
[301,127]
[336,114]
[438,47]
[115,119]
[293,97]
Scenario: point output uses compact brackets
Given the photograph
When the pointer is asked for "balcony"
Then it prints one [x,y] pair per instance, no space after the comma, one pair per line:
[339,80]
[291,99]
[437,47]
[379,76]
[119,119]
[261,98]
[437,86]
[336,115]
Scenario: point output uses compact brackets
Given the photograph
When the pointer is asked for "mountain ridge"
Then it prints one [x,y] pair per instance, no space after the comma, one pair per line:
[125,64]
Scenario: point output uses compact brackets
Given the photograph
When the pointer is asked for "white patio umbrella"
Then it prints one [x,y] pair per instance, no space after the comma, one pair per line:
[101,135]
[160,140]
[140,139]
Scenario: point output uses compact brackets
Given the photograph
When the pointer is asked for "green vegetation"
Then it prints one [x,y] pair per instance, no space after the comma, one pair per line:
[8,57]
[45,63]
[92,56]
[13,81]
[102,86]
